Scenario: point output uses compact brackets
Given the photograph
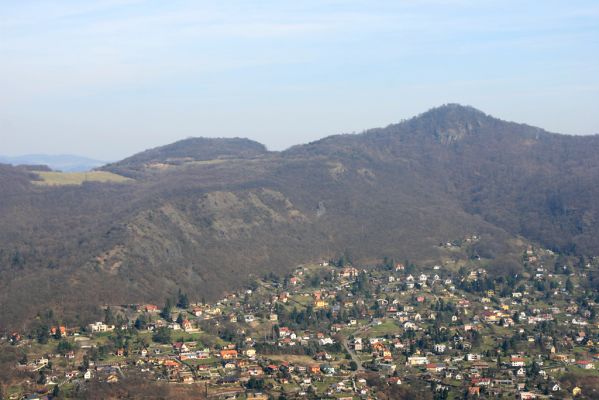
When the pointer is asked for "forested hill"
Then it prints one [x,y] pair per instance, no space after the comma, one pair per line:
[205,215]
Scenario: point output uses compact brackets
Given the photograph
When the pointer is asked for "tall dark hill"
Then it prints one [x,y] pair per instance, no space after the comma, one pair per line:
[186,151]
[207,214]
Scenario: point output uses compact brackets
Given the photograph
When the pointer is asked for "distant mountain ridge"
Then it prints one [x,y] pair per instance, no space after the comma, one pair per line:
[61,162]
[206,215]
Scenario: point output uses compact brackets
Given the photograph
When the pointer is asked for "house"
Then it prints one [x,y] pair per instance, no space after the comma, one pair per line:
[417,360]
[170,363]
[255,370]
[326,341]
[481,382]
[71,374]
[283,297]
[320,304]
[151,308]
[60,329]
[15,338]
[228,354]
[463,303]
[409,325]
[197,311]
[42,362]
[439,348]
[358,346]
[87,375]
[98,327]
[387,356]
[188,379]
[517,361]
[435,367]
[187,327]
[585,364]
[322,356]
[314,369]
[203,354]
[489,316]
[474,391]
[394,380]
[556,388]
[527,395]
[328,369]
[382,302]
[284,332]
[559,357]
[230,365]
[180,347]
[349,272]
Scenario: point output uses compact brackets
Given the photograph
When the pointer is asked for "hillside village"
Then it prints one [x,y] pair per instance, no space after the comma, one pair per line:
[340,330]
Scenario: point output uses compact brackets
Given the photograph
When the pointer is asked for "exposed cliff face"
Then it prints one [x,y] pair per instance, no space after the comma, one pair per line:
[207,214]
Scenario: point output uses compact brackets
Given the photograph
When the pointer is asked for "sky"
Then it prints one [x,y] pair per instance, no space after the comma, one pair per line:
[108,78]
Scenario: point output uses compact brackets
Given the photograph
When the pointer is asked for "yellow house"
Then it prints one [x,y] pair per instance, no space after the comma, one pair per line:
[576,391]
[320,304]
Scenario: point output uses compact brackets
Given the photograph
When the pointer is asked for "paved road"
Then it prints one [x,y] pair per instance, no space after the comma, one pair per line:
[353,354]
[351,351]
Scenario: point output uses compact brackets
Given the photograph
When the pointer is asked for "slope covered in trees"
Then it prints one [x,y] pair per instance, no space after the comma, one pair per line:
[205,215]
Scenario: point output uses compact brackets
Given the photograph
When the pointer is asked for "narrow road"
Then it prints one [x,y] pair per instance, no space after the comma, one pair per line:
[353,354]
[351,351]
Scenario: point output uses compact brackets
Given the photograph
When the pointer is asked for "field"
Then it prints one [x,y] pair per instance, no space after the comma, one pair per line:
[52,178]
[389,327]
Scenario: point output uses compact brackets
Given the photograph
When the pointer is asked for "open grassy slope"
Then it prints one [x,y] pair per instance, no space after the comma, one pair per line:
[54,178]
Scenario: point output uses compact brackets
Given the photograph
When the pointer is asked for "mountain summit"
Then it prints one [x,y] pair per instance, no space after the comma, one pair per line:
[186,151]
[451,122]
[206,215]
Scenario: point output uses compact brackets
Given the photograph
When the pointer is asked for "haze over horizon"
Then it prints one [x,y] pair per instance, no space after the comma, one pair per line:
[108,78]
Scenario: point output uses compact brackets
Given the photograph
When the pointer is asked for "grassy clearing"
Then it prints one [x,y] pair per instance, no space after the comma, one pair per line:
[52,178]
[388,327]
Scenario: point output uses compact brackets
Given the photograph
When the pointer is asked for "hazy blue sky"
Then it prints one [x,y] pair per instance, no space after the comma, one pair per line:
[106,78]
